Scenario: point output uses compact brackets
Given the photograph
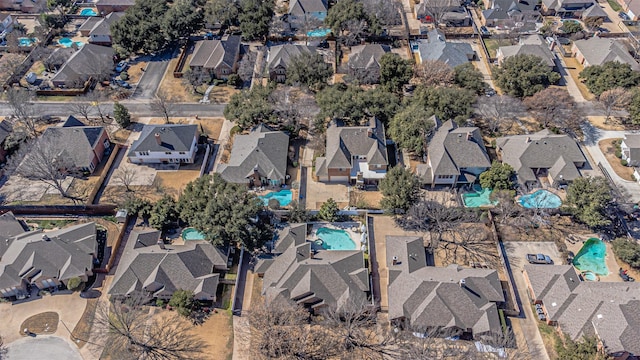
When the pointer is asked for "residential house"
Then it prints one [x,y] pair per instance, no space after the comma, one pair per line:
[98,29]
[440,301]
[258,158]
[164,144]
[280,57]
[354,154]
[598,51]
[364,62]
[630,147]
[437,48]
[594,12]
[455,155]
[108,6]
[631,8]
[566,8]
[449,12]
[308,275]
[607,310]
[24,6]
[10,227]
[218,58]
[6,24]
[528,45]
[512,14]
[46,260]
[301,11]
[5,130]
[153,269]
[545,156]
[58,58]
[90,61]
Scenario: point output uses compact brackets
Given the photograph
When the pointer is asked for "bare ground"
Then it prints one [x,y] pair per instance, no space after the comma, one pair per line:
[608,148]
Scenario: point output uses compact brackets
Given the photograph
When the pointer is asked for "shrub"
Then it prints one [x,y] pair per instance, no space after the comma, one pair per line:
[234,130]
[618,154]
[124,76]
[183,302]
[74,283]
[159,302]
[628,251]
[624,162]
[274,204]
[234,80]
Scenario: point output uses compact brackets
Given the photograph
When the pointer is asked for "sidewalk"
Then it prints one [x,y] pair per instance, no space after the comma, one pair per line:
[225,133]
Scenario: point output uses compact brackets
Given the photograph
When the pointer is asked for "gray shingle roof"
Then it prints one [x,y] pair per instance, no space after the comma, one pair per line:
[367,56]
[292,235]
[5,129]
[89,60]
[302,7]
[433,297]
[61,254]
[438,48]
[632,141]
[210,54]
[100,26]
[281,55]
[174,137]
[163,271]
[76,141]
[344,142]
[530,45]
[263,150]
[594,11]
[504,9]
[597,51]
[9,228]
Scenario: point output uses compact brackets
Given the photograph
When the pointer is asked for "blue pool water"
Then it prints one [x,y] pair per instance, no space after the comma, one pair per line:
[478,198]
[541,199]
[319,32]
[192,234]
[589,275]
[591,257]
[66,42]
[26,41]
[283,197]
[335,239]
[88,12]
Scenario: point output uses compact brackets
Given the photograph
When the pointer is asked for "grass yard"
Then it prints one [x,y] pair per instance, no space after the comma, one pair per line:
[120,136]
[612,124]
[211,126]
[614,5]
[173,182]
[221,94]
[48,224]
[82,331]
[217,333]
[574,68]
[178,89]
[135,71]
[493,45]
[549,338]
[43,323]
[608,148]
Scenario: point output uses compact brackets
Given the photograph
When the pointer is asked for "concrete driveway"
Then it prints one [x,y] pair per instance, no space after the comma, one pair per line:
[42,347]
[150,80]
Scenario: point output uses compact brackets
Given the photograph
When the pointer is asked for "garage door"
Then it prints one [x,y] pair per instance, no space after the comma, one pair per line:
[339,178]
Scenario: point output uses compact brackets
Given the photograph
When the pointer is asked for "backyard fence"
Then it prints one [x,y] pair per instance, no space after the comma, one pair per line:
[92,196]
[99,210]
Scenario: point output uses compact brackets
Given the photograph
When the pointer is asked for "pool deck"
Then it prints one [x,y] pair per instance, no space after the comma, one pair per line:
[612,264]
[346,226]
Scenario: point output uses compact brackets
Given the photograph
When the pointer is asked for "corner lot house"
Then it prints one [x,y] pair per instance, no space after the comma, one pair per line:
[156,270]
[258,158]
[607,310]
[530,45]
[542,157]
[218,58]
[456,155]
[45,260]
[354,154]
[91,61]
[630,147]
[98,29]
[597,51]
[25,6]
[314,278]
[280,57]
[164,144]
[364,61]
[437,48]
[440,301]
[108,6]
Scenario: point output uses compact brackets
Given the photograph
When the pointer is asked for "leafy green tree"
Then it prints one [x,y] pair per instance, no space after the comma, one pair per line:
[353,105]
[394,72]
[163,213]
[447,103]
[410,127]
[183,301]
[628,251]
[225,212]
[182,19]
[298,213]
[234,80]
[310,70]
[585,349]
[345,12]
[138,207]
[121,114]
[634,106]
[74,283]
[524,75]
[610,75]
[571,27]
[498,177]
[255,17]
[587,199]
[381,103]
[224,12]
[329,211]
[251,107]
[141,27]
[400,189]
[468,77]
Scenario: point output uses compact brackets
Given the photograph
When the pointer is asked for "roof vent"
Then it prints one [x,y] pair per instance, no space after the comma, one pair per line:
[463,282]
[395,260]
[45,237]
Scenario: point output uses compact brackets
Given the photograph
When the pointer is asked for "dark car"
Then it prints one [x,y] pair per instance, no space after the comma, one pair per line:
[625,277]
[484,30]
[623,16]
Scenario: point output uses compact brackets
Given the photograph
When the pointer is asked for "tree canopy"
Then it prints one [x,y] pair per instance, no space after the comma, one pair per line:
[163,213]
[524,75]
[410,127]
[251,107]
[447,103]
[183,301]
[634,106]
[628,251]
[586,348]
[394,72]
[554,107]
[310,70]
[329,210]
[498,177]
[400,189]
[224,212]
[224,12]
[610,75]
[121,114]
[587,199]
[352,104]
[255,18]
[345,11]
[468,77]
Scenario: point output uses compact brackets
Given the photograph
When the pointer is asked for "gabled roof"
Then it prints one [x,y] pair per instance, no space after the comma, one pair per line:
[302,7]
[100,26]
[367,56]
[262,150]
[632,141]
[210,54]
[281,55]
[447,298]
[61,254]
[504,9]
[173,137]
[89,60]
[438,48]
[530,45]
[452,148]
[145,266]
[75,139]
[344,142]
[9,228]
[5,129]
[597,51]
[424,7]
[292,235]
[115,2]
[594,11]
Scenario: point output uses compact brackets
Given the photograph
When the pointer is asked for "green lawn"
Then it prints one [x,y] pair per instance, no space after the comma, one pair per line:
[614,5]
[493,45]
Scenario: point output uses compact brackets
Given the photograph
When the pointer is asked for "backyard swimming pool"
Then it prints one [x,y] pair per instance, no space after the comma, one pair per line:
[335,239]
[591,257]
[23,41]
[478,198]
[319,32]
[88,12]
[192,234]
[589,275]
[66,42]
[283,196]
[541,199]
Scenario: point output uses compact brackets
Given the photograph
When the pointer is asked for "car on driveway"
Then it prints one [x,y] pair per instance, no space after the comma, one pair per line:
[484,30]
[624,276]
[539,259]
[622,15]
[122,66]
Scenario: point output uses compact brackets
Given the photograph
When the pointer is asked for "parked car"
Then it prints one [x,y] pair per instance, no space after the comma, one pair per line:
[489,92]
[123,84]
[623,16]
[539,259]
[625,277]
[122,65]
[484,30]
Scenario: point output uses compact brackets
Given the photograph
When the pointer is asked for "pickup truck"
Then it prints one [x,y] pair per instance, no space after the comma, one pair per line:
[539,259]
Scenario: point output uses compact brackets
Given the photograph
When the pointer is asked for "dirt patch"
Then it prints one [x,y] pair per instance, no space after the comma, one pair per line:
[82,331]
[173,182]
[178,89]
[608,148]
[574,68]
[365,199]
[43,323]
[217,333]
[599,122]
[135,71]
[211,127]
[221,94]
[120,136]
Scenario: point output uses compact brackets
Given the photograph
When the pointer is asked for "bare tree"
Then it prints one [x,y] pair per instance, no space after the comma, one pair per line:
[125,175]
[613,100]
[131,331]
[81,108]
[196,77]
[437,9]
[554,107]
[293,107]
[164,105]
[505,206]
[21,104]
[247,65]
[387,11]
[434,73]
[498,112]
[356,30]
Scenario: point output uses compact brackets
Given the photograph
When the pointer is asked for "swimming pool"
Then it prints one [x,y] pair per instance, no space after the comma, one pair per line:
[335,239]
[319,32]
[541,199]
[283,197]
[88,12]
[478,198]
[23,41]
[591,257]
[66,42]
[590,275]
[192,234]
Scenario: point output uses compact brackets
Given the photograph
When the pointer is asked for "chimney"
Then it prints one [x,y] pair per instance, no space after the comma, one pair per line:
[160,243]
[395,260]
[527,140]
[469,135]
[158,139]
[370,132]
[462,282]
